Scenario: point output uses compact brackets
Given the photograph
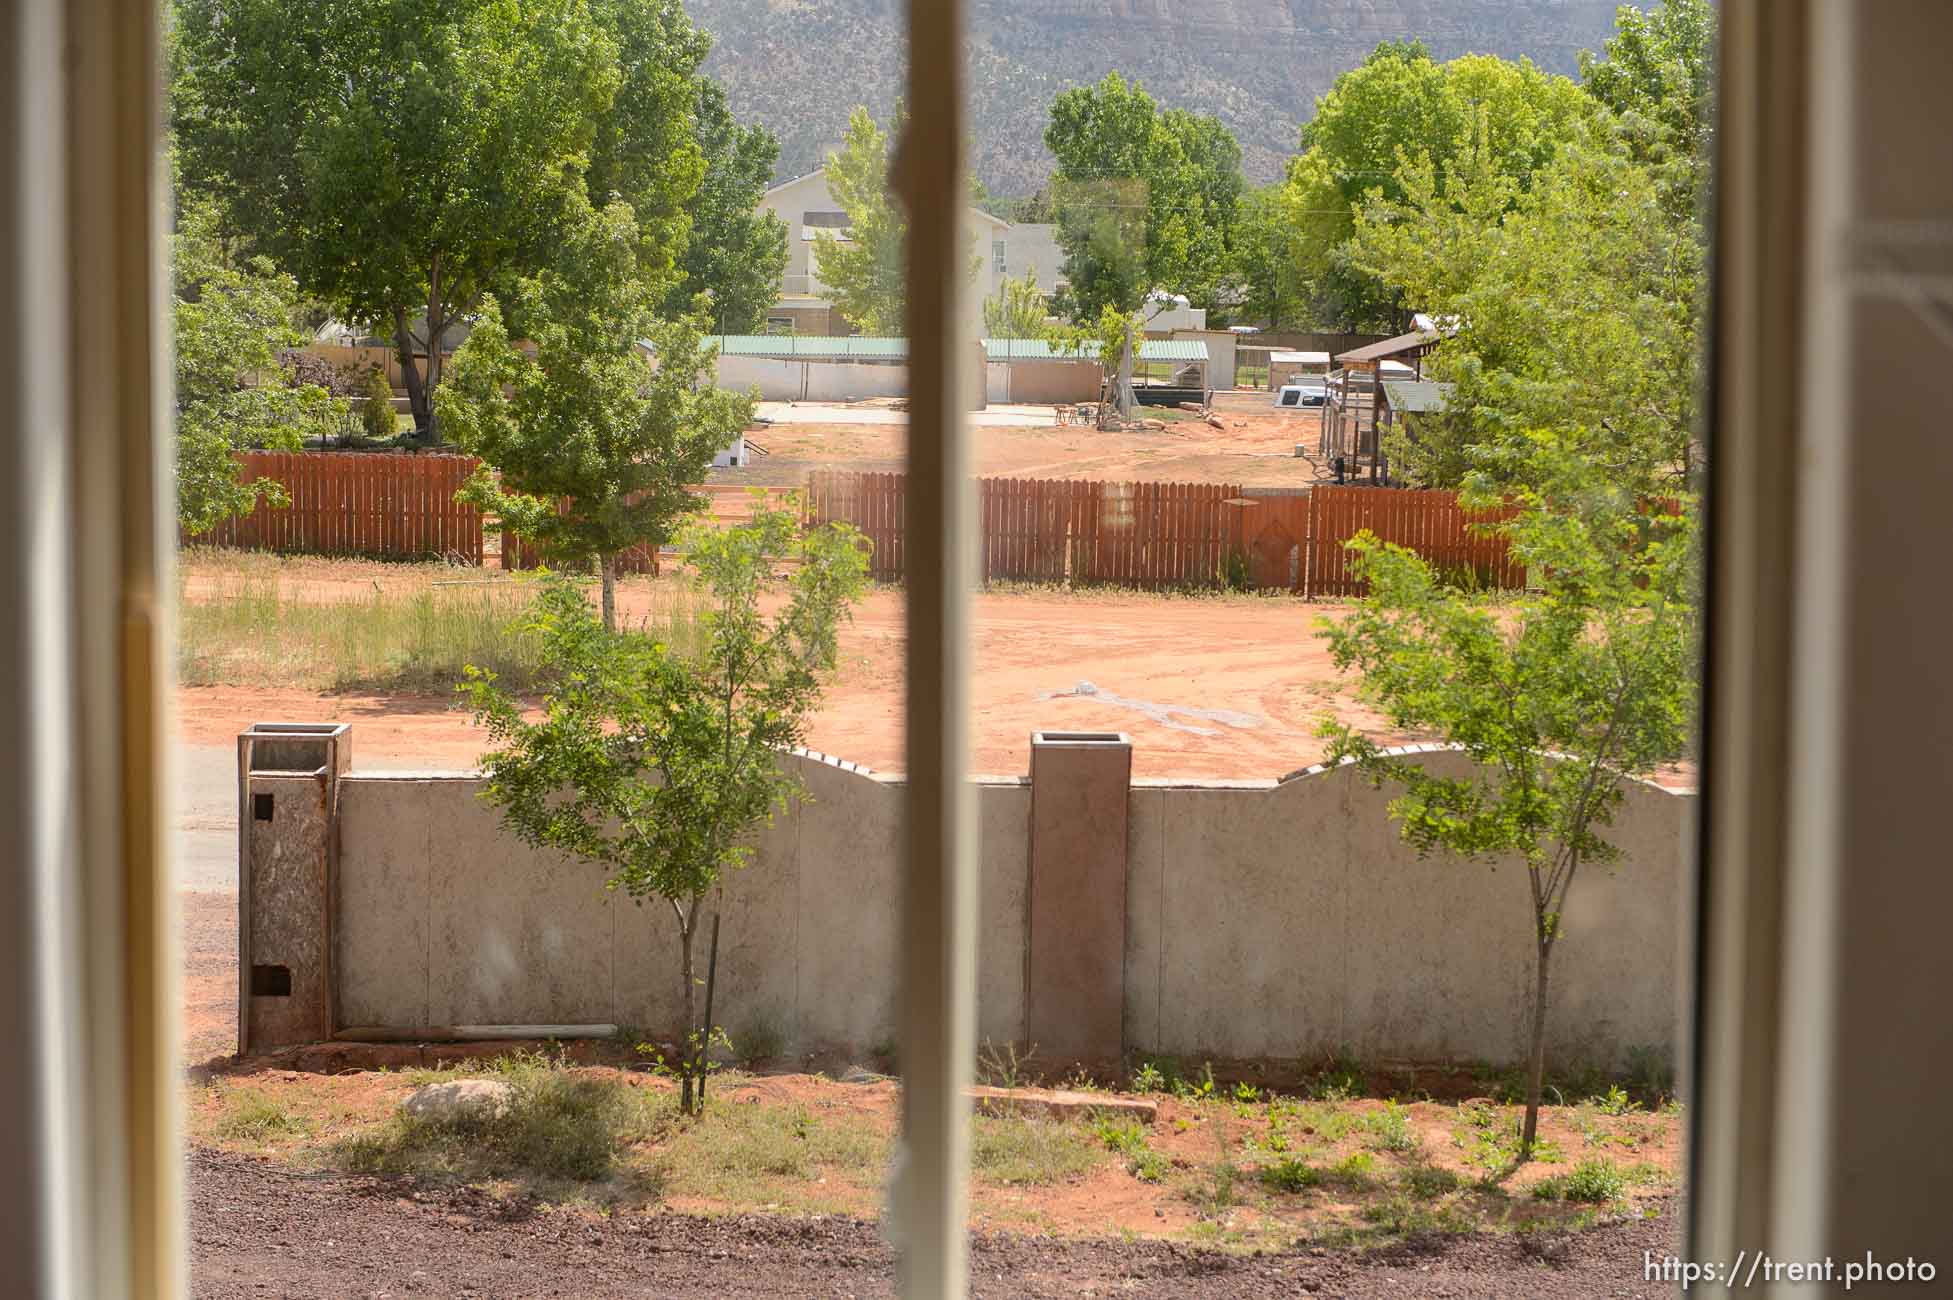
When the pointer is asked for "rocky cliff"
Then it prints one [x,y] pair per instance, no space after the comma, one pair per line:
[800,65]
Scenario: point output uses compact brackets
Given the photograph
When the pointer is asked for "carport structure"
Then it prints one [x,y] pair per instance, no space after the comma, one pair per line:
[1358,402]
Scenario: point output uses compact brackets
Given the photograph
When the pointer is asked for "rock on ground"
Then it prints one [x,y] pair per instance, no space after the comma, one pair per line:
[461,1099]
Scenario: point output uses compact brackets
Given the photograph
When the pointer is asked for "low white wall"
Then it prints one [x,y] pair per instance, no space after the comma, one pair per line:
[845,381]
[777,381]
[1264,919]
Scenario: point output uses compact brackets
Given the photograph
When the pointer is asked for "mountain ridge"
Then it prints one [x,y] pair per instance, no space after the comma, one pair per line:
[800,65]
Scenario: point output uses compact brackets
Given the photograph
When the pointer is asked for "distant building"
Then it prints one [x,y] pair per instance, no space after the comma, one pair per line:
[1032,248]
[808,209]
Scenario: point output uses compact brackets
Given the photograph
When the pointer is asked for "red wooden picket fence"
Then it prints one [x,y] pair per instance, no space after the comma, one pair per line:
[392,505]
[1166,535]
[1449,537]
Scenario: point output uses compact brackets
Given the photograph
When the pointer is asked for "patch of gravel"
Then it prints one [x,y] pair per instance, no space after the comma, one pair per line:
[258,1229]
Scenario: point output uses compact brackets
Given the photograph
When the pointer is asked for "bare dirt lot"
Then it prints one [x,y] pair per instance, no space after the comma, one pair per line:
[1256,450]
[1207,686]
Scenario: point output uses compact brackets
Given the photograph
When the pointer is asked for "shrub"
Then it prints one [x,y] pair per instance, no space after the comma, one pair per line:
[1292,1174]
[376,413]
[1591,1182]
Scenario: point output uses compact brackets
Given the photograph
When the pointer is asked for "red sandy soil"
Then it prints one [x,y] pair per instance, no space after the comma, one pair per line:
[1254,450]
[1255,658]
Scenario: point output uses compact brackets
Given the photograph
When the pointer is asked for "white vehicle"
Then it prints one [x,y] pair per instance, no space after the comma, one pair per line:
[1306,393]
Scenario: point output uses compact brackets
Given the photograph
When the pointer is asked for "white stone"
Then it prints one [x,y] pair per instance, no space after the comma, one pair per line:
[462,1099]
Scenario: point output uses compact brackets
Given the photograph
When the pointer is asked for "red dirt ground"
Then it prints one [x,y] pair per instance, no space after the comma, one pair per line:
[1253,449]
[1253,659]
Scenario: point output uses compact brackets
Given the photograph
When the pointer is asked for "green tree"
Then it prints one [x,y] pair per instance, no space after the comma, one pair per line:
[230,322]
[658,766]
[590,417]
[1017,310]
[1654,75]
[1559,699]
[1576,304]
[1268,262]
[1398,106]
[1144,199]
[735,253]
[401,161]
[866,269]
[1109,340]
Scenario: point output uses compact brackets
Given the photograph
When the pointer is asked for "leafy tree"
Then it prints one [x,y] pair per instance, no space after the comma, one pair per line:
[866,270]
[735,253]
[401,161]
[1576,305]
[1559,699]
[1268,262]
[589,417]
[230,322]
[656,766]
[1399,106]
[1143,198]
[1017,310]
[1109,340]
[1654,75]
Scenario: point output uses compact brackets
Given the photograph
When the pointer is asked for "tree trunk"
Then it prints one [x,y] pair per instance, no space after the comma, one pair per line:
[1127,401]
[1536,1061]
[417,399]
[685,1087]
[607,578]
[437,323]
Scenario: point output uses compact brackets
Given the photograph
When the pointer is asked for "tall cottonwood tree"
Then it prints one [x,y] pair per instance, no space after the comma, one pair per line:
[1144,198]
[402,161]
[1401,104]
[866,265]
[590,417]
[735,252]
[405,161]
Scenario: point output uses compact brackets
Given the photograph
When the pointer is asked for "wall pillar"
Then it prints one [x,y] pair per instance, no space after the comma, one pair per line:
[1074,996]
[288,785]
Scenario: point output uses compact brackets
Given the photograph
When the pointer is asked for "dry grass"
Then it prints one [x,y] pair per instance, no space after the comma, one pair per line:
[252,619]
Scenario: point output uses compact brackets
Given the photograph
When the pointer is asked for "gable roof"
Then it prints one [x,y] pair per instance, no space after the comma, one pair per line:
[789,183]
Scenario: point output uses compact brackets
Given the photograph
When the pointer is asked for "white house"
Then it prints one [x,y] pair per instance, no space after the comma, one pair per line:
[807,208]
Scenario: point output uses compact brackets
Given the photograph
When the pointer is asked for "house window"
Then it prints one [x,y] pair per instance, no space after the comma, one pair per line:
[997,256]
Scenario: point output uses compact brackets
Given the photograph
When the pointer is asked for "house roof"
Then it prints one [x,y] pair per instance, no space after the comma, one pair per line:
[1280,356]
[789,183]
[1042,350]
[1415,341]
[1416,396]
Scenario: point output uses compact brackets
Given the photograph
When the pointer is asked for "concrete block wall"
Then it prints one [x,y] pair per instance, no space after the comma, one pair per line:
[1263,919]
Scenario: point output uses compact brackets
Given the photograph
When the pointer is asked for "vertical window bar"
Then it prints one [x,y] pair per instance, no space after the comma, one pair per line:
[928,1208]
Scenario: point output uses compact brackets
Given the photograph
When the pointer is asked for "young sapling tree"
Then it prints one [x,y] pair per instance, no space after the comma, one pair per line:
[658,765]
[1559,699]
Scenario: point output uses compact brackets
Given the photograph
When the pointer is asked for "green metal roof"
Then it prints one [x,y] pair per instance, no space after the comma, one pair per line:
[859,346]
[862,347]
[1043,350]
